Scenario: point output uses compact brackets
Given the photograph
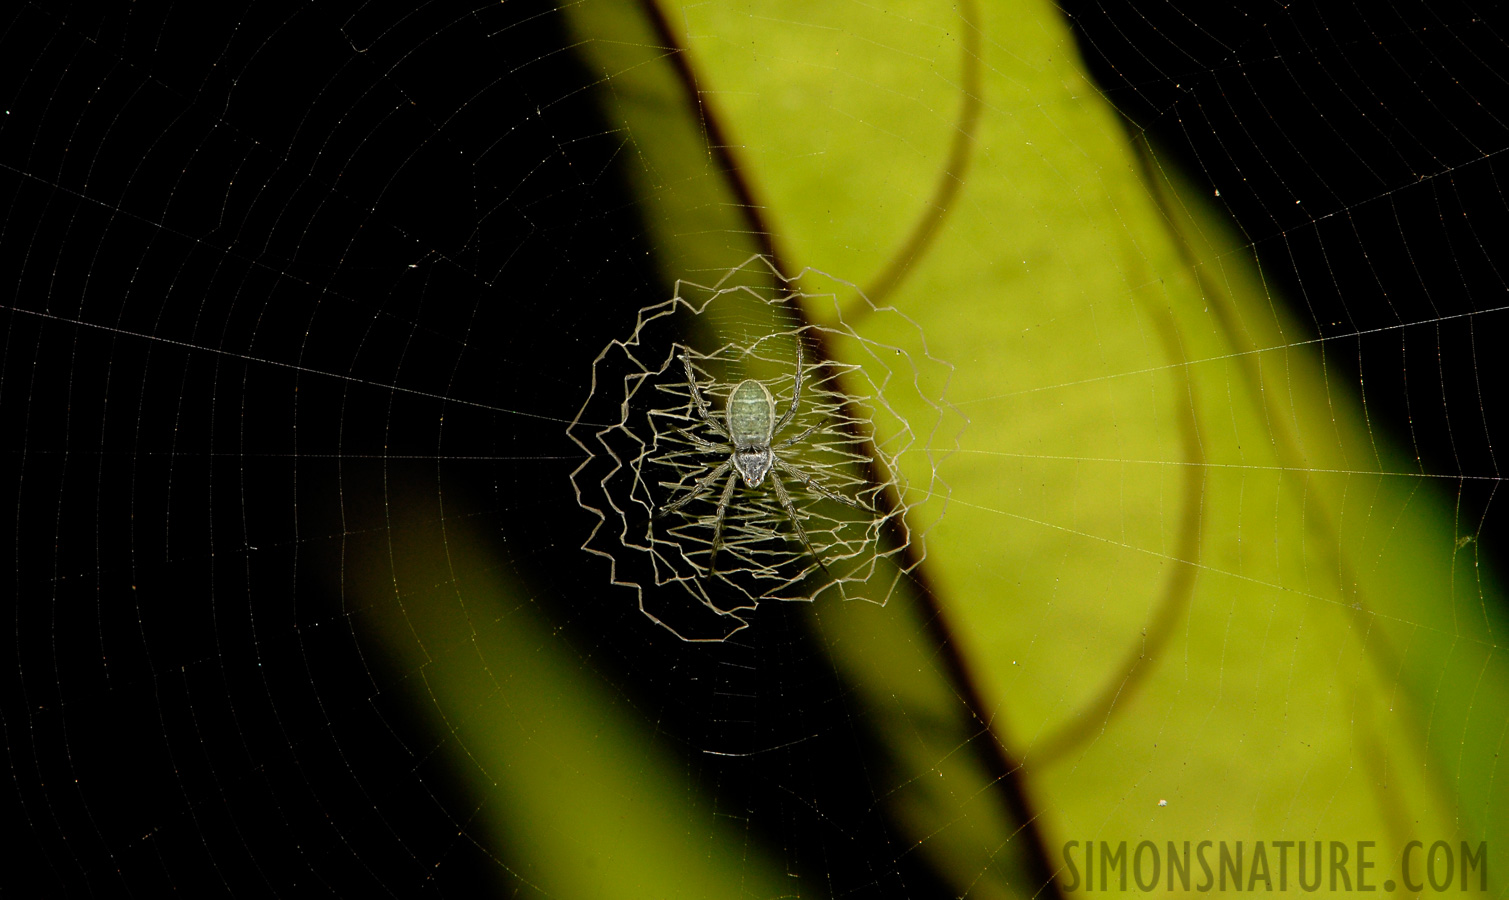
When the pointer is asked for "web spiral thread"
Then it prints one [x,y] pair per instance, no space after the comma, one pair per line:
[866,430]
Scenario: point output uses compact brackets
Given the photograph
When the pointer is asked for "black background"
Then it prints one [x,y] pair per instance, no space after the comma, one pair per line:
[230,231]
[1359,147]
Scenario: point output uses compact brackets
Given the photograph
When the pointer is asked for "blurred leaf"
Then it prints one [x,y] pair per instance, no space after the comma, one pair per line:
[576,797]
[1178,565]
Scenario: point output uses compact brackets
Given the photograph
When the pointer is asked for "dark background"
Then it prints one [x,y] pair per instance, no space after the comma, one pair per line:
[253,254]
[1360,149]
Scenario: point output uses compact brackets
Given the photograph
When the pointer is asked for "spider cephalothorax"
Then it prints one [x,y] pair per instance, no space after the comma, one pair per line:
[749,426]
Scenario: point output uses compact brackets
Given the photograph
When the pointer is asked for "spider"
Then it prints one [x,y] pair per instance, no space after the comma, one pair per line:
[749,425]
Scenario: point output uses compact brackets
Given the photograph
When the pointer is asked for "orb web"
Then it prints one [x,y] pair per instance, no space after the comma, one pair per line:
[857,458]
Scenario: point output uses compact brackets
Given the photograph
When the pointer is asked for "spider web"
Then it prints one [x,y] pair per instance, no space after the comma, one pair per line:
[851,443]
[301,300]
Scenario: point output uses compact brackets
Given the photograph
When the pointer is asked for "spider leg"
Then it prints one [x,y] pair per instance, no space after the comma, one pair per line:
[801,533]
[796,392]
[811,483]
[696,490]
[700,441]
[728,494]
[707,415]
[796,440]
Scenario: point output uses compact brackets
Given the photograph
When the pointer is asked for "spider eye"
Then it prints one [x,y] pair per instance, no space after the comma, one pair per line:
[768,459]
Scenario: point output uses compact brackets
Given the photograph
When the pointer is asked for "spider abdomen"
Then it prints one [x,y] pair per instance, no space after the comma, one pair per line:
[751,415]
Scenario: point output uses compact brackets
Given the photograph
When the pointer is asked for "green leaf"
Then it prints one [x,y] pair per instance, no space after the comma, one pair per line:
[1177,566]
[575,795]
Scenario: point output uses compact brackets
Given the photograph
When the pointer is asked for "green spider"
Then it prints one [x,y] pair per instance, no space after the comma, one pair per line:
[749,426]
